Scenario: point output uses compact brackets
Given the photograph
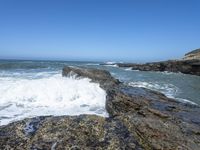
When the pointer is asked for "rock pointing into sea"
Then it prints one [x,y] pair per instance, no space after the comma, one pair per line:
[190,64]
[184,66]
[138,119]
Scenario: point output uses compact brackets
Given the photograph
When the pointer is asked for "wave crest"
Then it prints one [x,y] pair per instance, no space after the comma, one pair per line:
[52,95]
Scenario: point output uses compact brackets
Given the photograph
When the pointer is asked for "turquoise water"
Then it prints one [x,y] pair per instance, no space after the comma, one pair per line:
[176,85]
[34,88]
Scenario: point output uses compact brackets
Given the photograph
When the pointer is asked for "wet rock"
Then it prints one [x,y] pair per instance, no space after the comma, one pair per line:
[32,126]
[138,119]
[101,76]
[147,116]
[183,66]
[77,132]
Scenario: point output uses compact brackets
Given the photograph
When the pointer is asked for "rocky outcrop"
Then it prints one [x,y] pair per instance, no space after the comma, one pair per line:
[138,119]
[67,132]
[101,76]
[183,66]
[156,121]
[195,54]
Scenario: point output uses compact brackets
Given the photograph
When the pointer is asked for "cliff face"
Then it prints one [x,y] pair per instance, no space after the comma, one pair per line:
[138,119]
[195,54]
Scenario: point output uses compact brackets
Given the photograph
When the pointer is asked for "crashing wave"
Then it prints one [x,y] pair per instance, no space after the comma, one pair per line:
[49,95]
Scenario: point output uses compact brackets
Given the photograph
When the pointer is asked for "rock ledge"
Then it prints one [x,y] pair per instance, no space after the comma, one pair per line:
[138,119]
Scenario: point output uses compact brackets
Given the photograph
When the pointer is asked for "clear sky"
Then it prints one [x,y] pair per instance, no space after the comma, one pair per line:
[126,30]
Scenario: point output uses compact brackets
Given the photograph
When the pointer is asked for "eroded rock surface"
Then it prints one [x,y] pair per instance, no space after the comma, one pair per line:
[68,132]
[138,119]
[100,76]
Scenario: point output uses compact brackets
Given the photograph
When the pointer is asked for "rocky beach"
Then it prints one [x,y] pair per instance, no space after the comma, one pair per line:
[138,118]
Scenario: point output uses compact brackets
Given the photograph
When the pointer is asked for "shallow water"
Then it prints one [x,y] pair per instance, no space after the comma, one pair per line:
[35,88]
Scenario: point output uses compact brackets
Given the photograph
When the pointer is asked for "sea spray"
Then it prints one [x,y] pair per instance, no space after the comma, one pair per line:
[49,95]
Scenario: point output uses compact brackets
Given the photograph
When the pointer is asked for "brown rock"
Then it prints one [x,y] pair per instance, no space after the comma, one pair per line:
[138,119]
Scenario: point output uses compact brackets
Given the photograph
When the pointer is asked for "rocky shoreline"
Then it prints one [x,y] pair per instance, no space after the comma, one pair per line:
[138,119]
[184,66]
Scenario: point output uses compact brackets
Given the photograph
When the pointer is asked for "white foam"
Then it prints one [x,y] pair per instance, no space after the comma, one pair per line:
[168,89]
[129,69]
[110,62]
[186,101]
[168,73]
[92,64]
[112,65]
[50,95]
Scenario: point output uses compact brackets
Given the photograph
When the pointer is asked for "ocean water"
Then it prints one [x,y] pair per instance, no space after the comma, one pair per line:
[37,88]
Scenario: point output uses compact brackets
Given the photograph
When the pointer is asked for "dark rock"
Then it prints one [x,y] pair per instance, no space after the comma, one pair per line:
[33,125]
[138,119]
[77,132]
[156,121]
[183,66]
[101,76]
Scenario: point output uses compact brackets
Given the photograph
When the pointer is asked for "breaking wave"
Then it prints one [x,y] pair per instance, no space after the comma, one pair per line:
[48,94]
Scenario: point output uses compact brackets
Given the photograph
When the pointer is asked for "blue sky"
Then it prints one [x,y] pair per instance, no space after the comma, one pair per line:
[127,30]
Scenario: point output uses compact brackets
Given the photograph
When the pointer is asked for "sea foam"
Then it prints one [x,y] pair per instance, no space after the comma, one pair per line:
[169,90]
[49,95]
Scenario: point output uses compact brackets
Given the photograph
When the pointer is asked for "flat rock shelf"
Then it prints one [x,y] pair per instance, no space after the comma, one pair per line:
[138,119]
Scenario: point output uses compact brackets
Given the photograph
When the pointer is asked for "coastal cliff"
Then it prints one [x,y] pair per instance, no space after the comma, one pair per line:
[195,54]
[138,119]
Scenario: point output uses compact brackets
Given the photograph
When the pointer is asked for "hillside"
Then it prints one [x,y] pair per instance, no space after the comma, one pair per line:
[195,54]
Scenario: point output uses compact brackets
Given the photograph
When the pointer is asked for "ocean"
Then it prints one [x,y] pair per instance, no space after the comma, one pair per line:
[37,88]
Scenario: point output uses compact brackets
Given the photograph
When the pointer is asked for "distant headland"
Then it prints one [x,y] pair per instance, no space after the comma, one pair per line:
[195,54]
[189,64]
